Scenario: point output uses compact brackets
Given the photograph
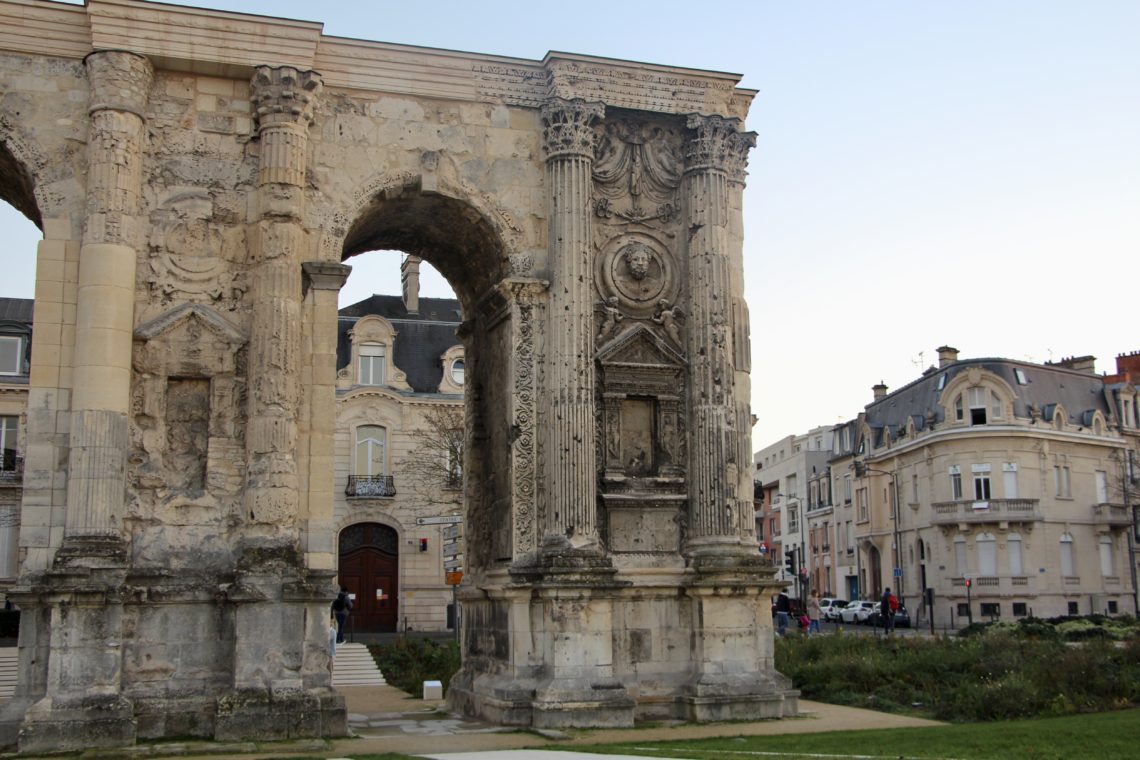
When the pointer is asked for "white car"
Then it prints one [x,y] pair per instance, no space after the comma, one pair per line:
[857,612]
[829,609]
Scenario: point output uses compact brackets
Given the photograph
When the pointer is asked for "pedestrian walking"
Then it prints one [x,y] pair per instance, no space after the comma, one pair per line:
[887,607]
[341,607]
[783,610]
[813,613]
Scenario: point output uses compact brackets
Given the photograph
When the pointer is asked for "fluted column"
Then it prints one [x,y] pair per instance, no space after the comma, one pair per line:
[714,151]
[283,99]
[120,83]
[568,142]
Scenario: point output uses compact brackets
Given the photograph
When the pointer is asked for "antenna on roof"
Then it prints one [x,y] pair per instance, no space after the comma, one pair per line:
[919,360]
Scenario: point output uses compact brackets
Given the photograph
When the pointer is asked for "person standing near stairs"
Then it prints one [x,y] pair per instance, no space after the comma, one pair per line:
[341,607]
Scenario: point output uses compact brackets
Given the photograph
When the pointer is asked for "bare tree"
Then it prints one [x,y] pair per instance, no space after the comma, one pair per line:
[433,468]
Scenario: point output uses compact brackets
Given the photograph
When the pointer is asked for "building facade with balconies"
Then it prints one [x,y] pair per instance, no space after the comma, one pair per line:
[398,444]
[15,359]
[1009,476]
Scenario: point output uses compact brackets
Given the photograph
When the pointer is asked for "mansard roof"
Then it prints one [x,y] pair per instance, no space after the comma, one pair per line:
[420,340]
[16,310]
[1077,392]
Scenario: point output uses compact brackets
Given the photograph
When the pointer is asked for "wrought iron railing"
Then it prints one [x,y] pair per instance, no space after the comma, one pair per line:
[370,486]
[12,472]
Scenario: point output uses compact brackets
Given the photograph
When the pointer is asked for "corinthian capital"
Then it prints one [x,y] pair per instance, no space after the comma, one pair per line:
[567,127]
[120,81]
[716,143]
[284,95]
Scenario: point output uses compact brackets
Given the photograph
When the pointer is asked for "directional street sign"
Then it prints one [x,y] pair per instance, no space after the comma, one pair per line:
[450,532]
[440,520]
[454,564]
[452,549]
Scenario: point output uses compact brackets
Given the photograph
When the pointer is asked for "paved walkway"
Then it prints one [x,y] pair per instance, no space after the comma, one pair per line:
[385,719]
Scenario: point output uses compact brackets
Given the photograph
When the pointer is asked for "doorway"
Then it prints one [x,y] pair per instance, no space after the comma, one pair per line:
[369,565]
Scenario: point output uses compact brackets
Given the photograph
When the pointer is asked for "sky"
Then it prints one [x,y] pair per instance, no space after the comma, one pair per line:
[958,173]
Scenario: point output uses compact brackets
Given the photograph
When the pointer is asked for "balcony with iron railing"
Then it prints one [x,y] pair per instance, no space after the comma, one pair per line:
[1111,514]
[12,472]
[992,510]
[370,487]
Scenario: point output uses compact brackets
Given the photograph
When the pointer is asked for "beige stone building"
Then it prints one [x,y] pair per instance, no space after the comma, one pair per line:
[398,444]
[1014,477]
[15,360]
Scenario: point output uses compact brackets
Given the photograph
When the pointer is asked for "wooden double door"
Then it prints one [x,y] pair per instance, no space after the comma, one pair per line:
[369,566]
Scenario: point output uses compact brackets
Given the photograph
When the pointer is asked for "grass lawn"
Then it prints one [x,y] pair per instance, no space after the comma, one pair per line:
[1104,736]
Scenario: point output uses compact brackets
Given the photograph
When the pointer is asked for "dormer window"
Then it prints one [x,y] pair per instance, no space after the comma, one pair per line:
[983,405]
[457,371]
[372,357]
[10,355]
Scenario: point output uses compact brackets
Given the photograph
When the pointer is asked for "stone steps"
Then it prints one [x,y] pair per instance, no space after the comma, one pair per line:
[354,666]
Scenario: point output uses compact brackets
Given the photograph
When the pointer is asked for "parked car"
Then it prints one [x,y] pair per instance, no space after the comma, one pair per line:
[829,608]
[857,612]
[902,618]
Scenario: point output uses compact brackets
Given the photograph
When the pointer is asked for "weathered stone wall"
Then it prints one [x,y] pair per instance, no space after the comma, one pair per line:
[180,513]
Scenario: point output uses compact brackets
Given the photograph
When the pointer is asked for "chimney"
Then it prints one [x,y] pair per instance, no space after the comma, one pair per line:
[1079,363]
[946,355]
[879,390]
[410,279]
[1128,363]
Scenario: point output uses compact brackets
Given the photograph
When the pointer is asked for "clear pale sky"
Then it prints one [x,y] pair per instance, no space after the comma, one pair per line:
[962,173]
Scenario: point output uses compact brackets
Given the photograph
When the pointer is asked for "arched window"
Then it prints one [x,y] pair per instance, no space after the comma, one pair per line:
[458,369]
[372,356]
[987,554]
[1107,565]
[1013,553]
[1067,555]
[371,451]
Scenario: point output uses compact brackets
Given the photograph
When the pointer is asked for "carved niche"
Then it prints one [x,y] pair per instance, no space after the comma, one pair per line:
[642,433]
[187,404]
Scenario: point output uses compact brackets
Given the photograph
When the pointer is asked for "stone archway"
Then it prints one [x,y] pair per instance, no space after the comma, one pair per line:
[588,213]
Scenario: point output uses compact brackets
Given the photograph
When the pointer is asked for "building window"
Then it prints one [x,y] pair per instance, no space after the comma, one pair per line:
[760,530]
[959,414]
[372,364]
[986,546]
[1067,555]
[1019,609]
[847,489]
[991,609]
[793,520]
[1062,480]
[995,406]
[457,371]
[1112,607]
[1101,487]
[371,451]
[1021,378]
[960,556]
[1126,414]
[1009,479]
[1013,554]
[955,483]
[981,474]
[963,609]
[914,489]
[977,401]
[10,359]
[861,503]
[1074,608]
[8,442]
[1107,565]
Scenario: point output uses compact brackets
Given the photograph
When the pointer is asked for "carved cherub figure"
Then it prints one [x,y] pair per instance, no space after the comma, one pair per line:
[667,317]
[613,316]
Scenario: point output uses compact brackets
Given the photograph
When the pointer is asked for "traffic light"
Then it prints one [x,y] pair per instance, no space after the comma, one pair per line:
[790,562]
[968,583]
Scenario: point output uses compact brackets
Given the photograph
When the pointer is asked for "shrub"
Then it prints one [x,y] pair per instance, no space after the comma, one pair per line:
[407,663]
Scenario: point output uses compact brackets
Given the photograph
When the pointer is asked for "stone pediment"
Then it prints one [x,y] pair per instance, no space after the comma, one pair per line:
[639,345]
[191,339]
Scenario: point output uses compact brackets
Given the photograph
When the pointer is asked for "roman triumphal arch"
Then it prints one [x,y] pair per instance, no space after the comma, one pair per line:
[199,178]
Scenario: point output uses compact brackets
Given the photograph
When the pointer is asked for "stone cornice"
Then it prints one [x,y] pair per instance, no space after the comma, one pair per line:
[227,44]
[945,435]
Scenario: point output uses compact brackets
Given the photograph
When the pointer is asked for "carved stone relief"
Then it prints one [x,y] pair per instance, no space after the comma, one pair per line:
[637,170]
[639,272]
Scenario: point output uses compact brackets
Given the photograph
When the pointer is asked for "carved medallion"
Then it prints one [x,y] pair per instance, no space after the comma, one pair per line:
[639,272]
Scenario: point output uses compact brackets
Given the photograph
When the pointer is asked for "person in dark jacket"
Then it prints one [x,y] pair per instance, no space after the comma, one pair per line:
[783,609]
[887,606]
[340,607]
